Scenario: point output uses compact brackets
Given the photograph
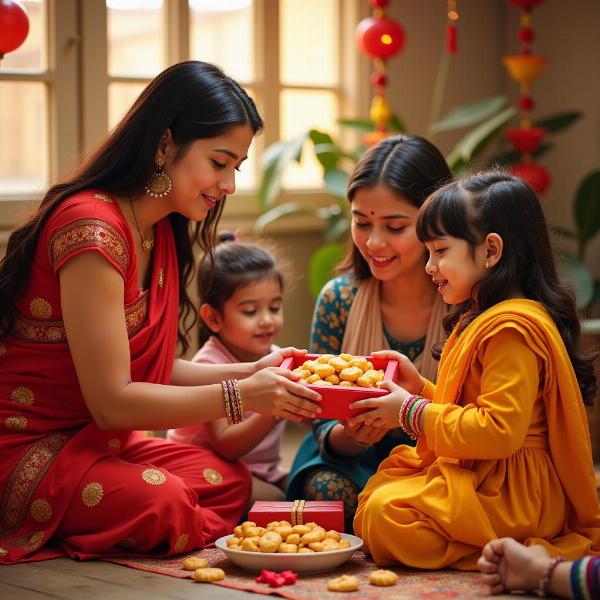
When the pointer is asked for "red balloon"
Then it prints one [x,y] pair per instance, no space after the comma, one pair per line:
[14,25]
[537,177]
[379,37]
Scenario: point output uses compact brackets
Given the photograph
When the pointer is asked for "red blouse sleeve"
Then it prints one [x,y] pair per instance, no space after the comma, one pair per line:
[88,220]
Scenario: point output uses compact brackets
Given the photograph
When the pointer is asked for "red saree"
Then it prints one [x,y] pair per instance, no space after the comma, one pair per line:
[67,487]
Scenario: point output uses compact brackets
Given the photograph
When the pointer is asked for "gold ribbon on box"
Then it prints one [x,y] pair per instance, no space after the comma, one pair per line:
[296,516]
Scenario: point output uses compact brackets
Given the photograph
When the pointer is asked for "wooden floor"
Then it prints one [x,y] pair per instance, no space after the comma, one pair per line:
[96,580]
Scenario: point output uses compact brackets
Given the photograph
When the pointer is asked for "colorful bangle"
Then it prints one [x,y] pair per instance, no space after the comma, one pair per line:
[578,579]
[542,589]
[417,416]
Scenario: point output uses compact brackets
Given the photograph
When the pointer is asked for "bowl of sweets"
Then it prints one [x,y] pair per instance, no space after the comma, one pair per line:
[342,379]
[279,546]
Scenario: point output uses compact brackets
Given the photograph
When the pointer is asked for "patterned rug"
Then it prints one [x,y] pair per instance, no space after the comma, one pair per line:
[412,584]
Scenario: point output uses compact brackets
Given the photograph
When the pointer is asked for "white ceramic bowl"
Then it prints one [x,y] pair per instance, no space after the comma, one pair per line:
[317,562]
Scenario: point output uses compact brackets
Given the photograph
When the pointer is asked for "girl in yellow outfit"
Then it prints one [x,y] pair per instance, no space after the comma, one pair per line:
[503,444]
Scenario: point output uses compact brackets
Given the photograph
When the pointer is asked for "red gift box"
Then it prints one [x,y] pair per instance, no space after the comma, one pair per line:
[336,399]
[329,514]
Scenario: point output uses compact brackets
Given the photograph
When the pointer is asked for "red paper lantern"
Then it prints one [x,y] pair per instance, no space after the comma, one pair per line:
[526,140]
[379,37]
[537,177]
[14,25]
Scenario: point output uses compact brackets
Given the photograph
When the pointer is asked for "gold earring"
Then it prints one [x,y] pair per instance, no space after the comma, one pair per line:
[160,184]
[487,264]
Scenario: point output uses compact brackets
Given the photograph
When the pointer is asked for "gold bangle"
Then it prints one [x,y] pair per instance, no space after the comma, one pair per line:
[227,402]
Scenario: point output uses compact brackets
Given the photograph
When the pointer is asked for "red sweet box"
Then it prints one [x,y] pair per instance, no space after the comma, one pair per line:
[329,514]
[336,399]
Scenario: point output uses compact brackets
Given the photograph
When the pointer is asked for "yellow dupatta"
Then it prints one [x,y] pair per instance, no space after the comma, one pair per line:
[568,432]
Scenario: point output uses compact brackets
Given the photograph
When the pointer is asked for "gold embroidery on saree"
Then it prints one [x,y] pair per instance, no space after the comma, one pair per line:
[103,197]
[92,494]
[53,332]
[213,477]
[22,395]
[85,233]
[114,443]
[181,542]
[2,349]
[40,308]
[153,476]
[41,510]
[24,480]
[15,423]
[136,314]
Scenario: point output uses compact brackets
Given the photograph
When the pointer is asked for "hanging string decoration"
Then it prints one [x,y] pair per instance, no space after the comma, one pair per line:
[451,32]
[525,68]
[14,26]
[379,38]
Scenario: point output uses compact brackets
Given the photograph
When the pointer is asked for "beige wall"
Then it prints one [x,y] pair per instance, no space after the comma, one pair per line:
[566,32]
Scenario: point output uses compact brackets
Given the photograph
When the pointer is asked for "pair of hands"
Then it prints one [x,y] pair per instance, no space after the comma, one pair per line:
[272,390]
[275,391]
[383,411]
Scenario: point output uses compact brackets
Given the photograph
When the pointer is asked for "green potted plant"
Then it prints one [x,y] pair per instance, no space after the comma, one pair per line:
[485,118]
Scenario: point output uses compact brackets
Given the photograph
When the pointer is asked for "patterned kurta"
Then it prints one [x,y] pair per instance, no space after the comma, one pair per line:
[327,332]
[67,487]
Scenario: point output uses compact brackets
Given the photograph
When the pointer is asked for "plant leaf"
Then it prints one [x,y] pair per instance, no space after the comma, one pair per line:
[358,124]
[396,124]
[576,273]
[322,266]
[469,114]
[275,160]
[337,228]
[587,206]
[559,121]
[477,139]
[563,232]
[336,182]
[512,156]
[283,210]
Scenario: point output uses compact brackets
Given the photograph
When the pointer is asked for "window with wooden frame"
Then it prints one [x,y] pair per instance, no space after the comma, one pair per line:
[85,61]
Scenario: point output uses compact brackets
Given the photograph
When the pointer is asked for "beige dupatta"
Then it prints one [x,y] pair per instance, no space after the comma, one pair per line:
[364,329]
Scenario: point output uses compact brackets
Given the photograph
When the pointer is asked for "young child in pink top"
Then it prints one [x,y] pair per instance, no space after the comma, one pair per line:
[242,313]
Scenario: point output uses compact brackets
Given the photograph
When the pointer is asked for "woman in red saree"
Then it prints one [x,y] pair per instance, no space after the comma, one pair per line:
[91,291]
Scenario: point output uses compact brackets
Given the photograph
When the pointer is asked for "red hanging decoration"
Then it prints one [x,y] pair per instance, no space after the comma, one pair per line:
[379,38]
[14,25]
[451,31]
[526,68]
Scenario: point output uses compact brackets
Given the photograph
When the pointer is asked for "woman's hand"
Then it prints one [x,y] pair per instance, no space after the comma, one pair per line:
[408,376]
[363,434]
[274,391]
[274,359]
[383,411]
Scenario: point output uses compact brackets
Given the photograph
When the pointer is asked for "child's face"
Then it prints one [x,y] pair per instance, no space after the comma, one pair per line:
[454,268]
[383,230]
[251,319]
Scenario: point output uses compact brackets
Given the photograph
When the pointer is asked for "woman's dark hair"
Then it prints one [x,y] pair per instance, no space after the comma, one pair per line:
[410,166]
[194,100]
[496,202]
[234,264]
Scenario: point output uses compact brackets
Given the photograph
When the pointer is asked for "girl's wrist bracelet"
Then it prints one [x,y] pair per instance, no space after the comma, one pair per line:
[542,589]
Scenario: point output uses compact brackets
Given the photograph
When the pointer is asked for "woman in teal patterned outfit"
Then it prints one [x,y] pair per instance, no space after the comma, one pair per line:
[383,300]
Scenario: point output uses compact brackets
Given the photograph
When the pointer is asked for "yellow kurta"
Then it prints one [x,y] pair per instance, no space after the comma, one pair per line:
[506,452]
